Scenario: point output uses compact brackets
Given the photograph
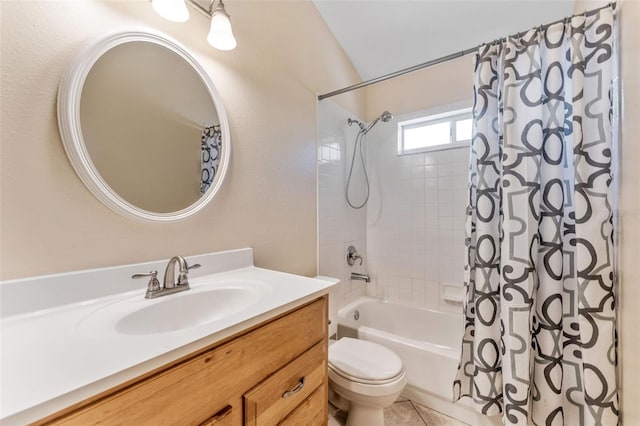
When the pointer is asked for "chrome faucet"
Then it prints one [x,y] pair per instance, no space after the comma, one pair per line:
[361,277]
[170,284]
[170,272]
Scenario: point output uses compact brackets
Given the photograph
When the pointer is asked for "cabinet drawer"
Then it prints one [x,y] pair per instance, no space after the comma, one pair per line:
[195,391]
[223,417]
[311,412]
[273,399]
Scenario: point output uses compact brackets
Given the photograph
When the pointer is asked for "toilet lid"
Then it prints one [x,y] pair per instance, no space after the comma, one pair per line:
[364,360]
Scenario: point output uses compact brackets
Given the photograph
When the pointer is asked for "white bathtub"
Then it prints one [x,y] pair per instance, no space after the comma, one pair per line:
[427,341]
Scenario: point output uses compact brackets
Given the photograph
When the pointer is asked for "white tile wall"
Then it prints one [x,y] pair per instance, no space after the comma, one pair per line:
[411,233]
[415,221]
[339,226]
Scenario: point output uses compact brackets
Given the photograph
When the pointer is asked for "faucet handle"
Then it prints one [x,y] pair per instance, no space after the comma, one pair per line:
[194,266]
[182,277]
[153,284]
[352,256]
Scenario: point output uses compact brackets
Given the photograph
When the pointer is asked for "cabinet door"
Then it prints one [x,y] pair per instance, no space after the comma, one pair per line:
[273,399]
[311,412]
[194,391]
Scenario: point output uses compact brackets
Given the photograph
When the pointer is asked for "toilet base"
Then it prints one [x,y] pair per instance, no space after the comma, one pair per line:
[366,403]
[338,401]
[365,416]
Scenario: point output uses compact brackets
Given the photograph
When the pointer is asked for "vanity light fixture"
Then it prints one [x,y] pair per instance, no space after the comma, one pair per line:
[220,34]
[173,10]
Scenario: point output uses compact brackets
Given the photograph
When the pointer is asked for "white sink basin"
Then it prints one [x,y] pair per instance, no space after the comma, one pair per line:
[200,305]
[190,310]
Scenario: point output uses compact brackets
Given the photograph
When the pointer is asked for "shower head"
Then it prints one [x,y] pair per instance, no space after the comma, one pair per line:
[385,117]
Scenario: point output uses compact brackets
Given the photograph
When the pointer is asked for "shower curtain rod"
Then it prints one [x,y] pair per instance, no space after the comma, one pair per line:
[451,56]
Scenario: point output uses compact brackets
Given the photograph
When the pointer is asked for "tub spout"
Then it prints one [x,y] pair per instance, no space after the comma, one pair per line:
[362,277]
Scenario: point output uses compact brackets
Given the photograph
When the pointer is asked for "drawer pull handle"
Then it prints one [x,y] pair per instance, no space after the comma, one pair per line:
[217,417]
[295,390]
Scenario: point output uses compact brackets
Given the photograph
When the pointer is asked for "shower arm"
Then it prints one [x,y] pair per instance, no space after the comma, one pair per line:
[352,121]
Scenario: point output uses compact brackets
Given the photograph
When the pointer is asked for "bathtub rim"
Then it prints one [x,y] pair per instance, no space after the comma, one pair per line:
[344,319]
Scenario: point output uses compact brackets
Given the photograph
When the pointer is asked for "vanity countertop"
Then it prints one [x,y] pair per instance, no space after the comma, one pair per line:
[55,354]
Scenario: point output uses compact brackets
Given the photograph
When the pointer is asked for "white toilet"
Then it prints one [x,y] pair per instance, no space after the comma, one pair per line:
[368,375]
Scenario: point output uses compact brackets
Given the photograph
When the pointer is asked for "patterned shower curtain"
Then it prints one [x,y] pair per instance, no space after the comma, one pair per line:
[211,142]
[540,337]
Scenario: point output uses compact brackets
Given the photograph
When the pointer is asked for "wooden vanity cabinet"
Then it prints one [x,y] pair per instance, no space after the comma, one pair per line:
[273,373]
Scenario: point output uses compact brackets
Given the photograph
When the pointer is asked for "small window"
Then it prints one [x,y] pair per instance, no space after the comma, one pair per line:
[441,131]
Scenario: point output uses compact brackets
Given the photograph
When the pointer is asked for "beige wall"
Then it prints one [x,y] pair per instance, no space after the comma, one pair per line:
[437,86]
[628,12]
[629,213]
[49,222]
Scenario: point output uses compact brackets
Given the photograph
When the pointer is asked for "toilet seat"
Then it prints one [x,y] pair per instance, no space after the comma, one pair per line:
[364,362]
[368,389]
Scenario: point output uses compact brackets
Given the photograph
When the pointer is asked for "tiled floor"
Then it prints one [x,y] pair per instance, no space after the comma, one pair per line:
[402,412]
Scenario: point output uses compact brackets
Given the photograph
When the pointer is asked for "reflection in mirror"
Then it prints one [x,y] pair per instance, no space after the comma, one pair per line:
[145,114]
[143,126]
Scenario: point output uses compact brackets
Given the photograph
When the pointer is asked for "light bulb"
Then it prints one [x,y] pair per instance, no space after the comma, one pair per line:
[173,10]
[221,35]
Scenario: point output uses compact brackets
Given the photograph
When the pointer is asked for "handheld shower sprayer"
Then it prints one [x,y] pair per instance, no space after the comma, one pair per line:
[386,116]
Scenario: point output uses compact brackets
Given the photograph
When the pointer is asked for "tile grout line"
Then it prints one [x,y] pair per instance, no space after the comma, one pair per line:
[418,412]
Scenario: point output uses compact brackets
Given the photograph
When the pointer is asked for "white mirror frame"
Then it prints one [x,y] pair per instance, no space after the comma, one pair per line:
[69,93]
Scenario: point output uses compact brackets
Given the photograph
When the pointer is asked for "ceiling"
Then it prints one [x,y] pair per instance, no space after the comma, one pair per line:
[384,36]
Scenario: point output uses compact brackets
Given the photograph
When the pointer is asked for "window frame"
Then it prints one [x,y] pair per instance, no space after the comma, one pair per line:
[424,120]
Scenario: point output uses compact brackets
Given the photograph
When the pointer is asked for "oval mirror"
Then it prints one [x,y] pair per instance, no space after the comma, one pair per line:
[143,126]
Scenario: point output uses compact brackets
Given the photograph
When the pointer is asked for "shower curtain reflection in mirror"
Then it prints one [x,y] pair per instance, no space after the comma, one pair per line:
[210,155]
